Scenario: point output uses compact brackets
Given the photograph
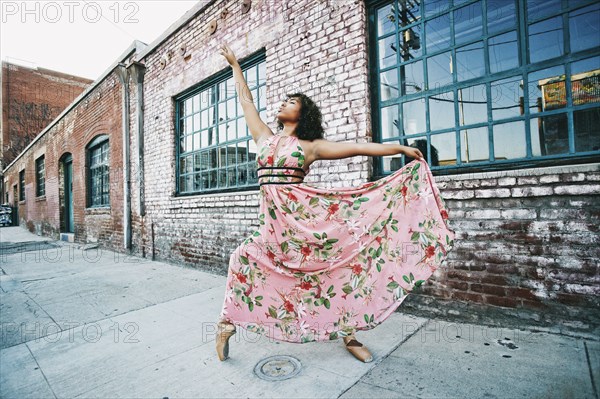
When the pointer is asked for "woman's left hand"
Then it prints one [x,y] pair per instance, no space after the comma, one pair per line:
[413,153]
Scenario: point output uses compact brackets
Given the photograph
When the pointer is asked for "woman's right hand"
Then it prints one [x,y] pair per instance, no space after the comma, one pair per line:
[226,52]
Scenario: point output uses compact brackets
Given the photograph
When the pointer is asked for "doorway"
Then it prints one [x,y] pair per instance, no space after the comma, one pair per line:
[67,193]
[15,213]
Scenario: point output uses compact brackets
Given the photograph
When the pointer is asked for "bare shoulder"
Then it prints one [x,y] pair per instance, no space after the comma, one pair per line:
[309,148]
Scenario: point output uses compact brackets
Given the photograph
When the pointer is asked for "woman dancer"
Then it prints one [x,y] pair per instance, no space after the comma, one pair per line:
[325,263]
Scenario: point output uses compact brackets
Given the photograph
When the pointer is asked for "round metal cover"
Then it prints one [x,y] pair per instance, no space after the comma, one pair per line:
[277,368]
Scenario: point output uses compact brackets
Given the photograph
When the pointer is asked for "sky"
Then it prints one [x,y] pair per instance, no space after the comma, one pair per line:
[82,38]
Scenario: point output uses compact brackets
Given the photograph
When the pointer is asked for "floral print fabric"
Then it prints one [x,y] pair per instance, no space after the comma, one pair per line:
[325,262]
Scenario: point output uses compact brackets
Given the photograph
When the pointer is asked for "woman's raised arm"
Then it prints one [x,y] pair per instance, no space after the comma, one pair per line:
[256,126]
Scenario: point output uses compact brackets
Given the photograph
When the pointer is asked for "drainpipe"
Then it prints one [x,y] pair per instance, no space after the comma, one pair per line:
[124,78]
[137,73]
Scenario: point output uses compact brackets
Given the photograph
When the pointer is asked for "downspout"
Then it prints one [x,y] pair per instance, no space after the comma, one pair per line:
[137,73]
[124,78]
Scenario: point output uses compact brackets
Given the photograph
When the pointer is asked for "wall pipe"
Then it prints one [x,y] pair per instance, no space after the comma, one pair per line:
[123,74]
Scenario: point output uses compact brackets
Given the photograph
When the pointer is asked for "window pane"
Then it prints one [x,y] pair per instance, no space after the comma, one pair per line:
[506,97]
[211,133]
[445,145]
[223,110]
[230,83]
[387,52]
[546,39]
[196,101]
[509,140]
[262,101]
[188,125]
[198,162]
[504,52]
[501,15]
[437,33]
[389,122]
[469,61]
[410,42]
[421,144]
[441,111]
[262,73]
[467,23]
[241,128]
[414,116]
[542,8]
[196,122]
[231,103]
[188,106]
[439,70]
[388,84]
[584,28]
[252,150]
[587,129]
[474,145]
[252,78]
[412,77]
[472,105]
[385,20]
[434,6]
[585,81]
[547,89]
[549,135]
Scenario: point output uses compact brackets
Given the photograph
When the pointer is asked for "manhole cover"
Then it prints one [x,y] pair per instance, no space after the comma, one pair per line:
[277,368]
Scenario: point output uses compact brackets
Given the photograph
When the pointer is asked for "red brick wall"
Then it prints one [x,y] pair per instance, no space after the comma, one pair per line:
[527,249]
[99,113]
[31,99]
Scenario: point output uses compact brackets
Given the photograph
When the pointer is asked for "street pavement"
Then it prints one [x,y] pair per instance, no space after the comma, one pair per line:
[85,322]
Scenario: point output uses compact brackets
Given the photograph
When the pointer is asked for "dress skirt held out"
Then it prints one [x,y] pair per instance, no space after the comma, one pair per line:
[326,262]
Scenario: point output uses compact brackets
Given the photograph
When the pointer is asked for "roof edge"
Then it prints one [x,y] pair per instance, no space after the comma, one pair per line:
[135,46]
[177,25]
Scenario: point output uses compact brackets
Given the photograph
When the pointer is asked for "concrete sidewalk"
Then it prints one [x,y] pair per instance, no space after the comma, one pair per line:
[93,323]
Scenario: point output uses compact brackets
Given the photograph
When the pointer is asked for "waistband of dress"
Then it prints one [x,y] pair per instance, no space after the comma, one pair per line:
[281,175]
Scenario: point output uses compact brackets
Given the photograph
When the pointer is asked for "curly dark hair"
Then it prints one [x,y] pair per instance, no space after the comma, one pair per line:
[310,124]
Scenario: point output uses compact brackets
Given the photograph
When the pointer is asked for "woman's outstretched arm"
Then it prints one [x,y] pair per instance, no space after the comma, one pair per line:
[256,126]
[325,149]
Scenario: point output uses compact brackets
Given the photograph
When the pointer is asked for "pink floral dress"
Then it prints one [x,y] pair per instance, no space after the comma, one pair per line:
[325,262]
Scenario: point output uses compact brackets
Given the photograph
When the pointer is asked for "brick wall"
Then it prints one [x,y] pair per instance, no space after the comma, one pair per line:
[527,249]
[310,46]
[31,99]
[98,113]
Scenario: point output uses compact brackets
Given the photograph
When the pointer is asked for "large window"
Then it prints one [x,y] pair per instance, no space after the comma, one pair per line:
[40,177]
[22,185]
[215,151]
[486,84]
[98,172]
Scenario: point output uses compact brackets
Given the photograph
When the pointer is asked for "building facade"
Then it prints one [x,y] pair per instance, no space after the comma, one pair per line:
[502,96]
[31,99]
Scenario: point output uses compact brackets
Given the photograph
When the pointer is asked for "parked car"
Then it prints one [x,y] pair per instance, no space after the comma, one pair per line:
[6,215]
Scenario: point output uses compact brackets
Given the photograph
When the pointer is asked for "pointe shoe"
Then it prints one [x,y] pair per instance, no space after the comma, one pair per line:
[357,349]
[224,331]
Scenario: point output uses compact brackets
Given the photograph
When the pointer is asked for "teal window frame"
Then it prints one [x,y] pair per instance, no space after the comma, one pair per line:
[202,174]
[521,71]
[98,172]
[40,176]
